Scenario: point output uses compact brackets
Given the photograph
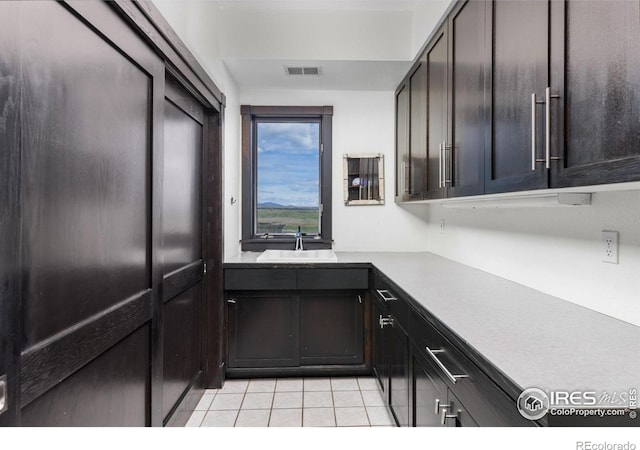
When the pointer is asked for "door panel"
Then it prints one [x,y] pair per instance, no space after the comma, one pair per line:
[437,60]
[520,60]
[112,390]
[399,377]
[182,347]
[331,329]
[417,129]
[181,244]
[467,50]
[430,393]
[403,186]
[86,188]
[85,174]
[182,214]
[9,212]
[599,79]
[263,330]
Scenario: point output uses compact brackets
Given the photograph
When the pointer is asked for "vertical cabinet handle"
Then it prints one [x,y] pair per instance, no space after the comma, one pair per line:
[4,403]
[440,165]
[533,132]
[547,136]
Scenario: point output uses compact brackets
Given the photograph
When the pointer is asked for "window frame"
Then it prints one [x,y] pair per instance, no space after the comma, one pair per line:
[249,115]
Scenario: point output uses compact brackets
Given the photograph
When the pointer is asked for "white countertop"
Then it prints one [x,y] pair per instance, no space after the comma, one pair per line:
[535,339]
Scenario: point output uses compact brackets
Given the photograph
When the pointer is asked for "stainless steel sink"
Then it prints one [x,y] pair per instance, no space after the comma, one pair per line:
[297,256]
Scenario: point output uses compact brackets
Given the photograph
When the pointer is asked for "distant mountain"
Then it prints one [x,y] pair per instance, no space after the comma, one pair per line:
[274,205]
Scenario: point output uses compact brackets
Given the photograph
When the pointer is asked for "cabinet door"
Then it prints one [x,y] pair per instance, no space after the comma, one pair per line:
[331,328]
[519,69]
[436,61]
[403,186]
[399,374]
[430,393]
[596,72]
[380,349]
[418,130]
[464,168]
[263,330]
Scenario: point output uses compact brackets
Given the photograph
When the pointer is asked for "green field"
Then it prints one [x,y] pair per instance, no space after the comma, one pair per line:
[287,220]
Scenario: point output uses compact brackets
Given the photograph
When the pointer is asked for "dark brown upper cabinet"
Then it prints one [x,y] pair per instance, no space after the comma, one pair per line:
[403,183]
[537,95]
[595,69]
[463,153]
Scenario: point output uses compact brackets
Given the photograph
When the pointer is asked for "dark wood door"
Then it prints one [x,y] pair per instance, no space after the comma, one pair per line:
[437,112]
[182,245]
[596,71]
[9,216]
[430,393]
[519,68]
[331,328]
[399,375]
[464,151]
[403,158]
[263,330]
[88,179]
[417,81]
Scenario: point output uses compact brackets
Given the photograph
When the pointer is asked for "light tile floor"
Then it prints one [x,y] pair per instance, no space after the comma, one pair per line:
[293,402]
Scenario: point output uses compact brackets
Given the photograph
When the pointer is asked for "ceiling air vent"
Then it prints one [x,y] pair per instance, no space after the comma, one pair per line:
[302,70]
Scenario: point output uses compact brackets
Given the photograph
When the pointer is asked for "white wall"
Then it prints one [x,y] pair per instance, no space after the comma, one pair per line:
[554,250]
[198,23]
[363,122]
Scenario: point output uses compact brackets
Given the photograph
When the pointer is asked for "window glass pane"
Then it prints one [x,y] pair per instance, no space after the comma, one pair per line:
[288,177]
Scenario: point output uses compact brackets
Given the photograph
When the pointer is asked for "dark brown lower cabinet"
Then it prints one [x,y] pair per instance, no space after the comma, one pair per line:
[263,330]
[430,393]
[392,363]
[295,329]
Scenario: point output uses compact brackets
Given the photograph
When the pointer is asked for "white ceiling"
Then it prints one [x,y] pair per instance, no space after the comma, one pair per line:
[377,42]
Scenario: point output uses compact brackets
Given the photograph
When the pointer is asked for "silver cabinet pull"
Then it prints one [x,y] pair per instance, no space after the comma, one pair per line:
[232,300]
[386,295]
[445,171]
[405,185]
[533,131]
[440,165]
[359,299]
[438,407]
[384,321]
[444,416]
[449,375]
[547,136]
[4,403]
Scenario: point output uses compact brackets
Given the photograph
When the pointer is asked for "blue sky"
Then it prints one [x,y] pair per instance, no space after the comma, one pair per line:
[288,155]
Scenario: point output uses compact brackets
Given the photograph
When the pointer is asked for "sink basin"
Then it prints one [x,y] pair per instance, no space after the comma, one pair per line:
[297,256]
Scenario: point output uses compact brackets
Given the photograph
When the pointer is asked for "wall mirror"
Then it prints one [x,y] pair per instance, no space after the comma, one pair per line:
[364,179]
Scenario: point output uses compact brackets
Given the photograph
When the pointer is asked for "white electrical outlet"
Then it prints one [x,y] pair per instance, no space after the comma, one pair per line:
[610,247]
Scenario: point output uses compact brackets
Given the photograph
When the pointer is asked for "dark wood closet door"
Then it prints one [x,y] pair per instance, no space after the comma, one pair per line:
[182,244]
[87,183]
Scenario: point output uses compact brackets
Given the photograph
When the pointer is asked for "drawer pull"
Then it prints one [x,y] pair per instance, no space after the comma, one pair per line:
[450,376]
[384,321]
[386,295]
[232,300]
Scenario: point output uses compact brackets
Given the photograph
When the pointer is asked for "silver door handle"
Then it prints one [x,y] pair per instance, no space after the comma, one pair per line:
[445,178]
[4,403]
[444,416]
[438,407]
[405,185]
[440,165]
[547,133]
[533,131]
[232,300]
[384,321]
[453,378]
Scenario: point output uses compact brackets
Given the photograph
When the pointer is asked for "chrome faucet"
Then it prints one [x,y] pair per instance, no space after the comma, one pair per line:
[299,240]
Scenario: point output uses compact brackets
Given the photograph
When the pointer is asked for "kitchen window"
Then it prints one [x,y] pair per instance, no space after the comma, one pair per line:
[286,176]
